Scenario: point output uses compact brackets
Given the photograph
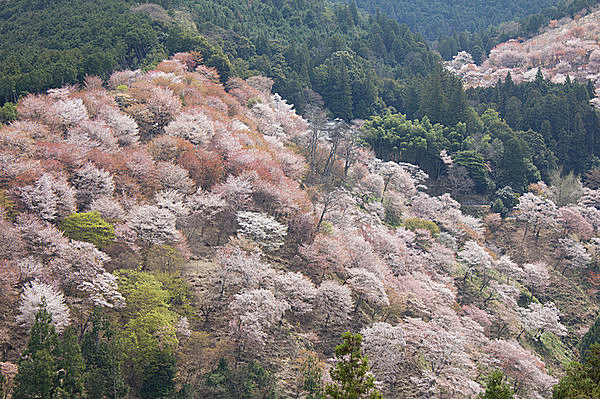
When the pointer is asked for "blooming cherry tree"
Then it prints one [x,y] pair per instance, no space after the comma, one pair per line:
[194,127]
[36,293]
[574,254]
[333,302]
[297,290]
[262,228]
[368,287]
[542,317]
[49,198]
[536,276]
[254,313]
[154,225]
[384,345]
[92,183]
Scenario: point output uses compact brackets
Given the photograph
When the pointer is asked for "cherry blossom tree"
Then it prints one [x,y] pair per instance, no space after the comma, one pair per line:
[362,255]
[384,345]
[326,254]
[36,293]
[368,287]
[237,269]
[40,199]
[42,240]
[36,107]
[333,302]
[262,228]
[440,347]
[163,104]
[574,222]
[173,201]
[395,177]
[525,369]
[124,128]
[254,312]
[537,212]
[205,208]
[153,225]
[49,198]
[103,290]
[11,243]
[108,207]
[510,269]
[543,318]
[590,198]
[92,134]
[173,177]
[194,127]
[30,268]
[536,276]
[297,290]
[236,190]
[92,183]
[475,258]
[70,111]
[574,254]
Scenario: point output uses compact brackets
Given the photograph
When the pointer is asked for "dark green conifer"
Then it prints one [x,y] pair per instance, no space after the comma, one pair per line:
[351,377]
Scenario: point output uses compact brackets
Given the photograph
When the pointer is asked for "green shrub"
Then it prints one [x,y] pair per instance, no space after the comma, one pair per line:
[7,206]
[416,223]
[88,227]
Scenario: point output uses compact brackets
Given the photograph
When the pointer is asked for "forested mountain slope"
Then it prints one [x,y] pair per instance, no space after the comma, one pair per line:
[357,63]
[192,242]
[479,43]
[566,48]
[444,17]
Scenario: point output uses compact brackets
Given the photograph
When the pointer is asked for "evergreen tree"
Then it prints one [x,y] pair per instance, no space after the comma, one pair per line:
[70,365]
[37,376]
[340,95]
[351,377]
[312,378]
[158,380]
[103,360]
[49,367]
[496,388]
[581,380]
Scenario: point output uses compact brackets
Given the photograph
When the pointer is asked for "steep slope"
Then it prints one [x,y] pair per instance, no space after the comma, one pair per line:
[356,63]
[222,226]
[444,17]
[566,48]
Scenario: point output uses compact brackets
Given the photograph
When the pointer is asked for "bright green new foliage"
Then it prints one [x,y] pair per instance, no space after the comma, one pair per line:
[88,227]
[351,377]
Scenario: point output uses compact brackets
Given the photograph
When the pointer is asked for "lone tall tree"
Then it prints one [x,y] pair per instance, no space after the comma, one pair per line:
[351,377]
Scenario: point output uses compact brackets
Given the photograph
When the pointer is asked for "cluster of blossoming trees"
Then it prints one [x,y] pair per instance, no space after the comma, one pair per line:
[566,48]
[302,233]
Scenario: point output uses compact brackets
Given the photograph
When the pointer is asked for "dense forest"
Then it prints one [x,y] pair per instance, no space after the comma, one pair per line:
[444,17]
[50,44]
[479,43]
[353,61]
[356,62]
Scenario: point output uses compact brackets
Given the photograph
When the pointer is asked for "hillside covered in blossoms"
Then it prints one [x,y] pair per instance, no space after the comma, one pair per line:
[565,48]
[192,239]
